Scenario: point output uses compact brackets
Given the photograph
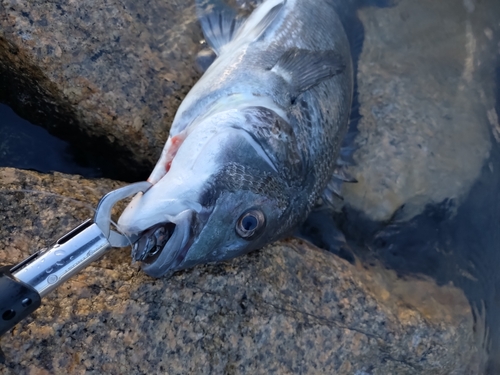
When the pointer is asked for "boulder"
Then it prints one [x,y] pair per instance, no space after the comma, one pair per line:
[108,74]
[289,308]
[427,98]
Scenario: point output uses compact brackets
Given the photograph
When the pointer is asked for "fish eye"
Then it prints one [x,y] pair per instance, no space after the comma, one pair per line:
[249,223]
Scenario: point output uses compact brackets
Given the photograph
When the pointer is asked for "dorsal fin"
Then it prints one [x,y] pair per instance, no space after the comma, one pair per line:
[219,23]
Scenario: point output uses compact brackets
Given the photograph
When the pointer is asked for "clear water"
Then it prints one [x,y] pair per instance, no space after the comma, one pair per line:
[26,146]
[429,151]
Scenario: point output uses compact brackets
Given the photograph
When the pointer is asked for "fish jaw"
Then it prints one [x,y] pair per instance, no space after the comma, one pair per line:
[165,219]
[166,253]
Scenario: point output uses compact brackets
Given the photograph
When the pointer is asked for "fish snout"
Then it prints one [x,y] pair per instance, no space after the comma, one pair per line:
[162,247]
[152,241]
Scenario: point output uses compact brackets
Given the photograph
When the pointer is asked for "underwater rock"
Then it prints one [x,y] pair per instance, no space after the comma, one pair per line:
[427,97]
[110,74]
[289,308]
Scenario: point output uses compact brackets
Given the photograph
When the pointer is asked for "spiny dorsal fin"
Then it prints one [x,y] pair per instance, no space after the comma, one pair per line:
[258,22]
[341,173]
[304,69]
[219,23]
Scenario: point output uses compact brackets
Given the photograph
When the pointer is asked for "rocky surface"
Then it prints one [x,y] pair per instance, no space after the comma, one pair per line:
[289,308]
[427,97]
[112,70]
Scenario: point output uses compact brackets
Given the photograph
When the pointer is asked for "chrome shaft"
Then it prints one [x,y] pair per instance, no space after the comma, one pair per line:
[68,256]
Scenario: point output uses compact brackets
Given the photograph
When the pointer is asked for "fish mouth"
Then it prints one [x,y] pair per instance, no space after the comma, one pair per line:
[162,247]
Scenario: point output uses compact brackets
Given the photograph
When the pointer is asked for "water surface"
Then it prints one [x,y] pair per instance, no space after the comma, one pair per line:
[27,146]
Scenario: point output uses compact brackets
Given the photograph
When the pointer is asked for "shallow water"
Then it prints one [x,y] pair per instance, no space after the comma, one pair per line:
[26,146]
[429,154]
[428,162]
[428,159]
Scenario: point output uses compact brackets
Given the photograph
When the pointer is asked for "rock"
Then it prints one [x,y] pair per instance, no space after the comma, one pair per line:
[110,74]
[428,104]
[289,308]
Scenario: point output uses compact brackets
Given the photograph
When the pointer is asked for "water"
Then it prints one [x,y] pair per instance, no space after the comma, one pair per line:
[450,243]
[26,146]
[449,229]
[428,159]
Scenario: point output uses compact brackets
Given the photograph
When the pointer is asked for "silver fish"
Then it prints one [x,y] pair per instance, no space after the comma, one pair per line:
[254,143]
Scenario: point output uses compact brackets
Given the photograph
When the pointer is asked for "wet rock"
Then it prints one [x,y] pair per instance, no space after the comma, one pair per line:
[289,308]
[109,74]
[427,100]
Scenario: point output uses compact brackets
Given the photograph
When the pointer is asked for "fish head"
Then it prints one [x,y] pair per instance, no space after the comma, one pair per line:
[237,223]
[221,197]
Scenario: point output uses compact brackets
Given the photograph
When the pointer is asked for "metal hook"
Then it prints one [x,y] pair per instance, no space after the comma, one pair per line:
[102,215]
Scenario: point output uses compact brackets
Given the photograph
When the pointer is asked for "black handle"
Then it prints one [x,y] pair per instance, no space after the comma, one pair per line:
[17,300]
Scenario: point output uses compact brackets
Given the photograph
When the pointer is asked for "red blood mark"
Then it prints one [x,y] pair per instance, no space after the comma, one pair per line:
[175,143]
[177,140]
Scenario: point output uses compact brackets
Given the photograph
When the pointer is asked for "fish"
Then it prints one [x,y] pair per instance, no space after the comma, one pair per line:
[254,144]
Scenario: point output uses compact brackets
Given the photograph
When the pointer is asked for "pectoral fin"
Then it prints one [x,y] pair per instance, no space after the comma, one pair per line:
[304,69]
[219,23]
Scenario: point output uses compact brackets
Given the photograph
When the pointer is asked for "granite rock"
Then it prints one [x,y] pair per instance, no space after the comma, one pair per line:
[427,98]
[289,308]
[115,72]
[110,73]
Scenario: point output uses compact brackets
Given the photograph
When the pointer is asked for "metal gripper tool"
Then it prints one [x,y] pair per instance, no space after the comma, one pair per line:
[23,285]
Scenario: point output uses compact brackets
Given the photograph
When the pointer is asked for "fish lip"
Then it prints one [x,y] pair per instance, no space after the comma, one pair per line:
[154,270]
[174,250]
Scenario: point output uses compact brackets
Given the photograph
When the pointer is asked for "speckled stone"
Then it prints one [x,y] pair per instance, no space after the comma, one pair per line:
[288,309]
[114,70]
[427,96]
